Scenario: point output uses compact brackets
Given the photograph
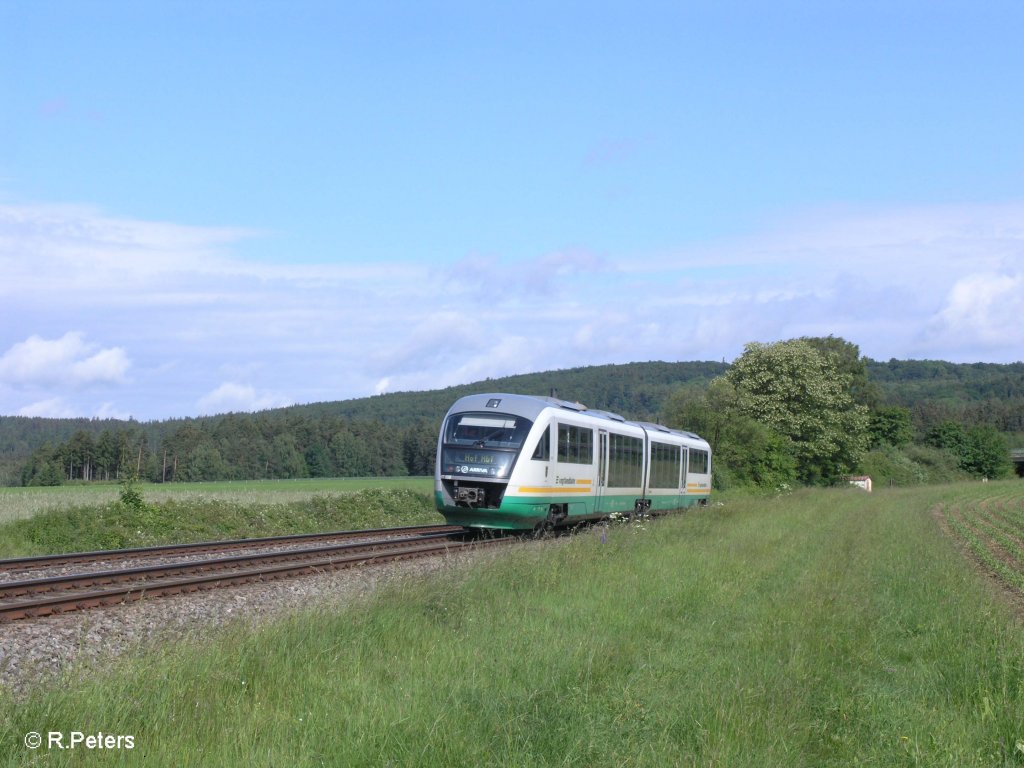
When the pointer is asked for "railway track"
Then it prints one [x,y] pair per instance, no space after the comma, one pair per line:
[19,564]
[34,597]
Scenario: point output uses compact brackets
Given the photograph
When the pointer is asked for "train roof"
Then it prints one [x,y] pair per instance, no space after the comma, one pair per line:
[652,427]
[521,405]
[530,407]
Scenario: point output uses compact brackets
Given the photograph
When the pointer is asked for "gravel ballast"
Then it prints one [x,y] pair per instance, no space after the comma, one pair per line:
[37,652]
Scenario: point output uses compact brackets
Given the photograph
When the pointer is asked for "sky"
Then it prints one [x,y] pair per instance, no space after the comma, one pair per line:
[221,206]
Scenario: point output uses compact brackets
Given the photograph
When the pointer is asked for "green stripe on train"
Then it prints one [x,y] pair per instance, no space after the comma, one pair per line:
[528,511]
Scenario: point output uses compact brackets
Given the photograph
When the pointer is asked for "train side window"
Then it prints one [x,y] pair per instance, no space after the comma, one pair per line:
[575,444]
[543,451]
[666,461]
[698,462]
[625,461]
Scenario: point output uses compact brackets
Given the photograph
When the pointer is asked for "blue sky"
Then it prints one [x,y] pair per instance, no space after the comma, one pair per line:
[226,206]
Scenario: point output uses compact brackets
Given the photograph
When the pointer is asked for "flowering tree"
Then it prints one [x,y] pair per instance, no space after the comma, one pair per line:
[797,392]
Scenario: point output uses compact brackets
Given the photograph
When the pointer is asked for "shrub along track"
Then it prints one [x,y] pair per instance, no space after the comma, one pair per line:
[33,597]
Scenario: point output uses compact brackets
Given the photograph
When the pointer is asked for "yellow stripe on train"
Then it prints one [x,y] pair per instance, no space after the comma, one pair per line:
[554,489]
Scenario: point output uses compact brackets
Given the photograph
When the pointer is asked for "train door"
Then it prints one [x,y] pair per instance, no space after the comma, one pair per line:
[602,470]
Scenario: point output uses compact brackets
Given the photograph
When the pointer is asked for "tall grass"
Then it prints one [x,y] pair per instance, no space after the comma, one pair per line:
[819,629]
[143,523]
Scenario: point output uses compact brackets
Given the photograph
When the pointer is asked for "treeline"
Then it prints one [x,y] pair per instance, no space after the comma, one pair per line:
[635,389]
[268,445]
[914,381]
[966,393]
[34,450]
[20,436]
[395,434]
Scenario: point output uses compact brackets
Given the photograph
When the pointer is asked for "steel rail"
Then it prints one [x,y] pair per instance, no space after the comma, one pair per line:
[386,551]
[183,567]
[159,550]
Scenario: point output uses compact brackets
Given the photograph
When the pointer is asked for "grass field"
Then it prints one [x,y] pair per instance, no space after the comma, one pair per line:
[823,628]
[22,503]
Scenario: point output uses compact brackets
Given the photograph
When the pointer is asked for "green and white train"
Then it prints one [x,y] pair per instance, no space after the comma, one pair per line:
[520,462]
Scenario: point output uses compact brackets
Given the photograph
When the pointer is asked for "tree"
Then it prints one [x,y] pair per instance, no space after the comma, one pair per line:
[981,450]
[890,426]
[846,357]
[350,454]
[204,463]
[81,452]
[43,467]
[285,460]
[745,452]
[419,448]
[797,392]
[318,460]
[949,436]
[987,453]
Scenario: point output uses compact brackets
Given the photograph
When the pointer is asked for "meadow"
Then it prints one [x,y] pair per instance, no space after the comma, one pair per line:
[18,503]
[819,628]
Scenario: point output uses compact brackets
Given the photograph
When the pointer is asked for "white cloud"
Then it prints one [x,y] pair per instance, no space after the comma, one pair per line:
[197,325]
[85,257]
[983,310]
[231,396]
[552,271]
[109,365]
[505,355]
[885,279]
[82,257]
[69,361]
[51,408]
[110,411]
[60,408]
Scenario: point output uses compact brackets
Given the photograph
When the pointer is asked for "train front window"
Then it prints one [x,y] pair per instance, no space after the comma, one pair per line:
[487,430]
[482,445]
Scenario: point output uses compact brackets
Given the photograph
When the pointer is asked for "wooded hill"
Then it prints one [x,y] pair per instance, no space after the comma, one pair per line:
[393,433]
[396,433]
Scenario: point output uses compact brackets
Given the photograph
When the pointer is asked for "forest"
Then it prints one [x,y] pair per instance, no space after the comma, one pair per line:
[920,419]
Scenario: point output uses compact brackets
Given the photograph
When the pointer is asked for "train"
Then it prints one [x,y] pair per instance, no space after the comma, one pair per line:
[521,462]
